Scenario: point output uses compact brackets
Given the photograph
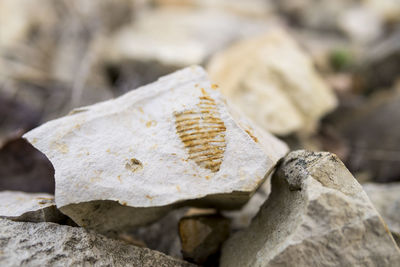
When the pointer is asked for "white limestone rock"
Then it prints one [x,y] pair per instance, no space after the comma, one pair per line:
[29,207]
[251,8]
[317,214]
[127,161]
[173,36]
[49,244]
[274,82]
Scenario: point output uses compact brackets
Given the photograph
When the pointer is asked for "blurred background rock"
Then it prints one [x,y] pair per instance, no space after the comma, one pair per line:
[322,75]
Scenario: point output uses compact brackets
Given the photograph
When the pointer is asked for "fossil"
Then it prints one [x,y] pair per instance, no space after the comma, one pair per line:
[203,133]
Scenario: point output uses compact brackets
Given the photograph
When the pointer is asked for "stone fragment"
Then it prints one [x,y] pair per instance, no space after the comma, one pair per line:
[173,36]
[49,244]
[317,213]
[244,8]
[361,24]
[389,10]
[127,162]
[262,76]
[386,199]
[202,236]
[29,207]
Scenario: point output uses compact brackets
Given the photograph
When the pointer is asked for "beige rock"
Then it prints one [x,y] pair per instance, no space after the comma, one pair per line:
[263,77]
[29,207]
[317,213]
[202,236]
[49,244]
[388,9]
[126,162]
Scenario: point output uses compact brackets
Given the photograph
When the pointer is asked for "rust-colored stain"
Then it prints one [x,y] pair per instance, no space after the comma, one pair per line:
[202,132]
[151,123]
[252,136]
[134,165]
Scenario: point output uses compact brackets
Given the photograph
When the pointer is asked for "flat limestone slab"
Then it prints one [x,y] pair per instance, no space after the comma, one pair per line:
[29,207]
[316,215]
[127,161]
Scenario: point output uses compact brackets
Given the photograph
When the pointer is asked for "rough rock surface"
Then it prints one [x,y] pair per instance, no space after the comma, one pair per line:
[386,199]
[202,236]
[49,244]
[317,213]
[261,75]
[126,162]
[29,207]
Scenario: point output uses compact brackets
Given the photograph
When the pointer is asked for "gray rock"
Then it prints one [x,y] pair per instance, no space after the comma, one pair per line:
[179,36]
[48,244]
[316,215]
[29,207]
[386,199]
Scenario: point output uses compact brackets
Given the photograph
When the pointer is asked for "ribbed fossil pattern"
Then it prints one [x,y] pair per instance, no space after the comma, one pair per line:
[203,133]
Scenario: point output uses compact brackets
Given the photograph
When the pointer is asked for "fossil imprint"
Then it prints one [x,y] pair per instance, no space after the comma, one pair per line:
[203,133]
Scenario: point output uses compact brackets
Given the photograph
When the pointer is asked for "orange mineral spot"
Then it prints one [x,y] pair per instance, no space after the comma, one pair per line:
[202,133]
[134,165]
[252,136]
[214,86]
[150,123]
